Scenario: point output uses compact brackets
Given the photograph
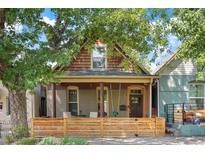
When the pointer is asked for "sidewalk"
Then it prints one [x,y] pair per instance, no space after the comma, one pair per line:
[149,141]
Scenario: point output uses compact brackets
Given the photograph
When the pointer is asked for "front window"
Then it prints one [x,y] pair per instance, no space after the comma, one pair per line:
[99,57]
[73,101]
[196,96]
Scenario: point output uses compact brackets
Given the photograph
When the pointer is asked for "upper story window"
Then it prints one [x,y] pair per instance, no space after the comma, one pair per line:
[99,57]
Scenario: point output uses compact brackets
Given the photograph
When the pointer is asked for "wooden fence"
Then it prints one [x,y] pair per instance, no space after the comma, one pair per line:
[98,127]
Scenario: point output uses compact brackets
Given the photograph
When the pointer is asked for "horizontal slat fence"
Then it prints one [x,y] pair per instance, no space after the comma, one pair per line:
[98,127]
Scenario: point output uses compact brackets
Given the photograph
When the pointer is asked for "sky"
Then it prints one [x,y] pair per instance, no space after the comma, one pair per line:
[174,43]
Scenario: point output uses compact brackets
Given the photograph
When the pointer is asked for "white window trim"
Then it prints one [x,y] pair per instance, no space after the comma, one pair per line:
[108,108]
[196,97]
[67,99]
[91,59]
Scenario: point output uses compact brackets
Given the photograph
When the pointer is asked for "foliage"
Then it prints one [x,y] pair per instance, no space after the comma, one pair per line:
[19,131]
[8,138]
[188,25]
[63,141]
[25,58]
[73,141]
[27,141]
[50,141]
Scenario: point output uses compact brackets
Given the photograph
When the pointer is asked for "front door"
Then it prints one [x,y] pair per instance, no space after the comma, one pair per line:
[135,103]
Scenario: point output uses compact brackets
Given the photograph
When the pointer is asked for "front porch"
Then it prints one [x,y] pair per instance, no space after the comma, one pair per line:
[122,103]
[108,96]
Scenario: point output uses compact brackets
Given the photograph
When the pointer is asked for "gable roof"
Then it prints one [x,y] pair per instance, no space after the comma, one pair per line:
[119,49]
[166,63]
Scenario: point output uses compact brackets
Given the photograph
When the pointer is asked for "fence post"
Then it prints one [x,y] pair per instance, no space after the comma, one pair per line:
[101,127]
[155,126]
[64,127]
[183,112]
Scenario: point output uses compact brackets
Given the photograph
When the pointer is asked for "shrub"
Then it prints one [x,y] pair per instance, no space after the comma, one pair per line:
[19,132]
[73,141]
[50,141]
[8,138]
[28,141]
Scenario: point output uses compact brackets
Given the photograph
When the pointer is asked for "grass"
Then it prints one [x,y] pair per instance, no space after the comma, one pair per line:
[73,141]
[63,141]
[27,141]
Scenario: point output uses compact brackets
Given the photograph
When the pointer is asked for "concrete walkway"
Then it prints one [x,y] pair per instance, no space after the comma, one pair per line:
[149,141]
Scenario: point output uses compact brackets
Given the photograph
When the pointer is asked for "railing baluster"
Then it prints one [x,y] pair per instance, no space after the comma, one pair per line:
[173,114]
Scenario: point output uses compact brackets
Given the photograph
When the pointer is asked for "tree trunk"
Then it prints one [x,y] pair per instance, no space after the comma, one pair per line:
[18,106]
[2,18]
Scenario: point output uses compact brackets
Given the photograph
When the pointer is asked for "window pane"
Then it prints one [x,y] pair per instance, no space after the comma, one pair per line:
[98,57]
[72,96]
[73,108]
[136,91]
[196,91]
[196,103]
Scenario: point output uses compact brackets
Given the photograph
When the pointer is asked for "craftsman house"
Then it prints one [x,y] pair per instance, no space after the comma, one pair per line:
[100,96]
[93,79]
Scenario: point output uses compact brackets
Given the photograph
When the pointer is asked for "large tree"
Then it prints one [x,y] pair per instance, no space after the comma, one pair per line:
[189,26]
[25,60]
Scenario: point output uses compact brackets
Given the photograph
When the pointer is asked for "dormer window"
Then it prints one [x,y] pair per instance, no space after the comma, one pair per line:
[99,57]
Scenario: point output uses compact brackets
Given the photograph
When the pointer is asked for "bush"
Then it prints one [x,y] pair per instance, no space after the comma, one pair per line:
[73,141]
[28,141]
[50,141]
[63,141]
[19,132]
[8,138]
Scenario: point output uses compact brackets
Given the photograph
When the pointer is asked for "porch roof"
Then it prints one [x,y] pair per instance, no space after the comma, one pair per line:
[106,76]
[104,73]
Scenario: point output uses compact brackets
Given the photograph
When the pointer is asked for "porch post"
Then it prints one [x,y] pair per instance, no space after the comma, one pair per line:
[101,99]
[150,98]
[53,87]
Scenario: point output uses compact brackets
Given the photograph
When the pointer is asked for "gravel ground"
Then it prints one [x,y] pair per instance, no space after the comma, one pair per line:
[149,141]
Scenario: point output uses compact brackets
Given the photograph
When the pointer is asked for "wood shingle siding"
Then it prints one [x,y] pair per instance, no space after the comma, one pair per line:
[83,62]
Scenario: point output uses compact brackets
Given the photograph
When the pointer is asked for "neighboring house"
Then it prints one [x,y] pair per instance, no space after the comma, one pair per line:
[33,101]
[80,91]
[177,84]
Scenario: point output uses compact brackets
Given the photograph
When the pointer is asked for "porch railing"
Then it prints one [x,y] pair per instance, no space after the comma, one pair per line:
[98,127]
[184,112]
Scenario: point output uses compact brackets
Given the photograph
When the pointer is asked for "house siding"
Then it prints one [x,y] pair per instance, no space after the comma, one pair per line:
[87,101]
[173,89]
[173,83]
[179,67]
[32,100]
[83,62]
